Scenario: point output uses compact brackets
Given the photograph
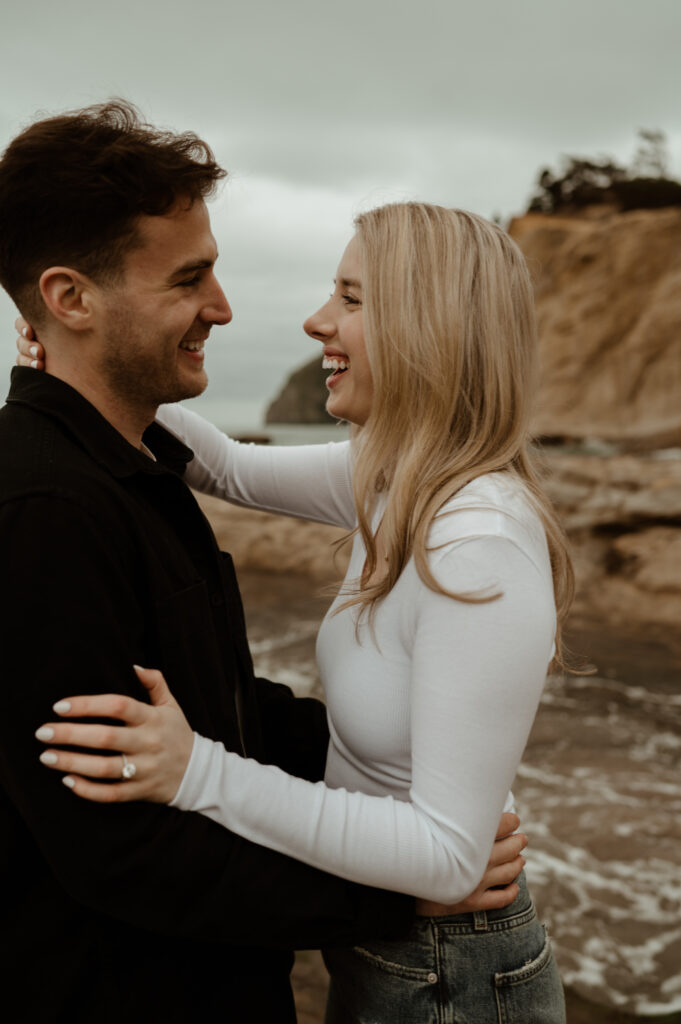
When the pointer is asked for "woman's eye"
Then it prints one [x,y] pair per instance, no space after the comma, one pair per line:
[350,300]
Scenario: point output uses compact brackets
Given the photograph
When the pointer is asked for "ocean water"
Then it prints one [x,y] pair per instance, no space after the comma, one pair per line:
[599,794]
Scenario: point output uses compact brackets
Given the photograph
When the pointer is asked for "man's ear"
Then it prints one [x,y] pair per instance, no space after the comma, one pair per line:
[69,296]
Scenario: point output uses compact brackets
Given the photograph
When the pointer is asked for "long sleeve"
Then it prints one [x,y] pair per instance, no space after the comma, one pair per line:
[306,481]
[477,672]
[140,863]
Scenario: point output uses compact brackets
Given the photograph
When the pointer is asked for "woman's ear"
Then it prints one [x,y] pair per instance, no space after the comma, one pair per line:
[68,296]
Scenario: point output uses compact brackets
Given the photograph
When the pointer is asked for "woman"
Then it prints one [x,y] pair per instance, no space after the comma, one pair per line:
[434,654]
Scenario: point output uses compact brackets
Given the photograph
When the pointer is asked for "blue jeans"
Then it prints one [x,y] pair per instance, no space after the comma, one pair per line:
[484,968]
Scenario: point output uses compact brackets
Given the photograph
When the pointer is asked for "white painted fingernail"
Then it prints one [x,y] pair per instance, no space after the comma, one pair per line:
[62,707]
[33,350]
[34,364]
[44,733]
[48,757]
[68,781]
[24,331]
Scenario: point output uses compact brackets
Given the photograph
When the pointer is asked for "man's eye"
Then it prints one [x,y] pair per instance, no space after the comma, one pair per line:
[189,282]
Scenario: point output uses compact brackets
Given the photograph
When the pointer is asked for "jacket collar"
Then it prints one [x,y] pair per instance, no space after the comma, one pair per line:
[54,398]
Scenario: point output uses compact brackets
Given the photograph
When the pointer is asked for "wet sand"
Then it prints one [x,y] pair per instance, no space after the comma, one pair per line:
[599,792]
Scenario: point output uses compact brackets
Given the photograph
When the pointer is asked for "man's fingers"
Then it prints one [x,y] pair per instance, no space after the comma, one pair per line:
[508,823]
[504,874]
[497,899]
[507,849]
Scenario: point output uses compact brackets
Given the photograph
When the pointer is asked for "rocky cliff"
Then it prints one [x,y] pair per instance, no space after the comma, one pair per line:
[608,294]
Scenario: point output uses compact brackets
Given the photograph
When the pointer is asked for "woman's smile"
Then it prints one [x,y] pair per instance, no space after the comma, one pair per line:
[339,326]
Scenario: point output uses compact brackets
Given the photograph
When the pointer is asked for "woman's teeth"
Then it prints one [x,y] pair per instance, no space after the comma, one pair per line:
[334,364]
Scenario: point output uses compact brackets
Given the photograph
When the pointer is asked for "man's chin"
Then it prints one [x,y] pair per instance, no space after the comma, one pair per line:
[189,389]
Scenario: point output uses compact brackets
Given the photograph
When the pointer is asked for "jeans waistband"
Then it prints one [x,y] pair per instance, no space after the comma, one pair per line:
[517,913]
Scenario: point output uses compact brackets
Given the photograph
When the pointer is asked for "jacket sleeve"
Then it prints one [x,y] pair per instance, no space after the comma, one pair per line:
[294,730]
[74,624]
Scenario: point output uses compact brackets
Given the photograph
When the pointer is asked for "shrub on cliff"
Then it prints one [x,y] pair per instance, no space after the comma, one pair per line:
[585,182]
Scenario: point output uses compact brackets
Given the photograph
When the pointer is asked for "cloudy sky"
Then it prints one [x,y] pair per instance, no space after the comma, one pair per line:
[319,110]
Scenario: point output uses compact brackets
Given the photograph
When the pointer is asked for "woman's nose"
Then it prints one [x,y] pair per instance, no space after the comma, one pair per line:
[320,325]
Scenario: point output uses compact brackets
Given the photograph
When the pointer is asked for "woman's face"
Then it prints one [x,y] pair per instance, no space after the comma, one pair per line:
[338,325]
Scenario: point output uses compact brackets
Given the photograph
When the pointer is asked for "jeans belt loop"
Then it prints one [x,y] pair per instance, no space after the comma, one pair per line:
[480,921]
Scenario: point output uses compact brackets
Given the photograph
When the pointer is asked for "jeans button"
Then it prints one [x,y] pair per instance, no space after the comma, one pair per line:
[432,978]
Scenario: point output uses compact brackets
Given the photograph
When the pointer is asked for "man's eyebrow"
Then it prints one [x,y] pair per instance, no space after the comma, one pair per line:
[191,267]
[349,282]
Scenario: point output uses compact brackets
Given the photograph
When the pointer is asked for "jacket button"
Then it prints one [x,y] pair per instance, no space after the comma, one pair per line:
[432,978]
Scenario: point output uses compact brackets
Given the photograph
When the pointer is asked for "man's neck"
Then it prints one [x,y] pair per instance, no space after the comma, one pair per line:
[128,421]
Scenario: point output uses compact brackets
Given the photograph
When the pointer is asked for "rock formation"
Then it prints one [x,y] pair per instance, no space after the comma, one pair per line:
[302,398]
[608,294]
[623,516]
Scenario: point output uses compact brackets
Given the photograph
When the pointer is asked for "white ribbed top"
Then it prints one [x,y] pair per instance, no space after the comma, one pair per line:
[429,717]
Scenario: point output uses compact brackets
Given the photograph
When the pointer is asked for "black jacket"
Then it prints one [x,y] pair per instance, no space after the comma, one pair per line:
[138,911]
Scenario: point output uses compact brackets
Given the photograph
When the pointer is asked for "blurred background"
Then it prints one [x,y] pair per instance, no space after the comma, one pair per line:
[569,111]
[319,110]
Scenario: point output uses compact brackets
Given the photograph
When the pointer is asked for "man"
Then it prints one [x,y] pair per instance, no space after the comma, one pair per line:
[135,912]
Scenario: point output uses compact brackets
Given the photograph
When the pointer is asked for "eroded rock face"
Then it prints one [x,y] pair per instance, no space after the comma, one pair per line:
[621,491]
[608,295]
[623,516]
[631,581]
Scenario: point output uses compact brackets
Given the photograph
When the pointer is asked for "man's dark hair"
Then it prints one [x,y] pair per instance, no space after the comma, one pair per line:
[73,186]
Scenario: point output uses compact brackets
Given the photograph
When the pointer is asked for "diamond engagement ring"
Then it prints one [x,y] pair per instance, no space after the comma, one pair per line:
[129,768]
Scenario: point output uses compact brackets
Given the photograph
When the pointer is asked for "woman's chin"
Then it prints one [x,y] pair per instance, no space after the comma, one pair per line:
[338,411]
[334,408]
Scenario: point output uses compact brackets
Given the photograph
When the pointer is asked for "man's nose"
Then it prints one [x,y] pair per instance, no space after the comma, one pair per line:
[217,309]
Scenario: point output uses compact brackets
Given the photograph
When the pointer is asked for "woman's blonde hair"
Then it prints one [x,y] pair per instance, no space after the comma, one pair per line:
[451,338]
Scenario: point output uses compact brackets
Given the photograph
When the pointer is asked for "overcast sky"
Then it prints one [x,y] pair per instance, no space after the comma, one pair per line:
[319,110]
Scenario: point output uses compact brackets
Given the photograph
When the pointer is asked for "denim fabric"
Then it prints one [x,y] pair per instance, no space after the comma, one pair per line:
[485,968]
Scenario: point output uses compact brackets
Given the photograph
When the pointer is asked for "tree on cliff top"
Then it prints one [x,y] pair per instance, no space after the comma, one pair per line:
[584,182]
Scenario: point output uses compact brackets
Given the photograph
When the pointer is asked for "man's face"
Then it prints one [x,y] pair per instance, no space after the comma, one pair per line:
[158,316]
